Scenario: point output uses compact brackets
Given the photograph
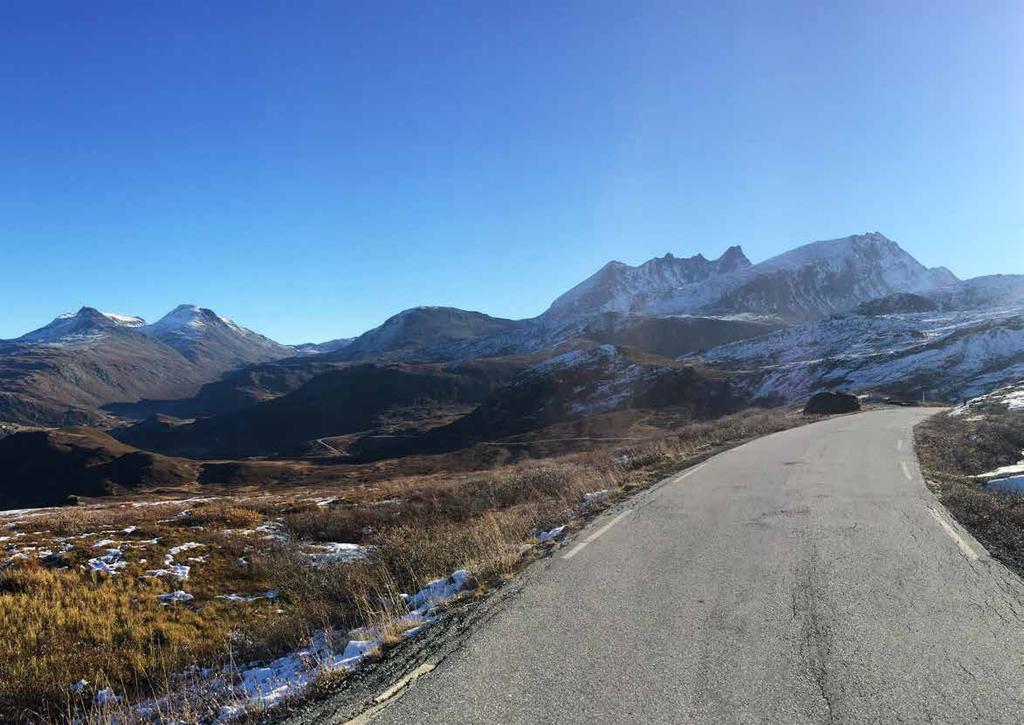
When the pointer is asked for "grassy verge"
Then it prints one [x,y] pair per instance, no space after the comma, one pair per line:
[61,623]
[951,450]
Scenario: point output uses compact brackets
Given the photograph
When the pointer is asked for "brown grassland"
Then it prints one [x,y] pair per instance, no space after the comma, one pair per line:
[951,450]
[60,623]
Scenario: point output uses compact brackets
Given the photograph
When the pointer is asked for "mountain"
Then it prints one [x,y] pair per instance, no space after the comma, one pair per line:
[949,355]
[894,304]
[65,372]
[995,290]
[209,340]
[810,282]
[827,277]
[422,327]
[235,390]
[87,323]
[618,287]
[322,348]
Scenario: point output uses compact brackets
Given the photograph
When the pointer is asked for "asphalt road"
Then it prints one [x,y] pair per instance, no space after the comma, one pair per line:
[807,577]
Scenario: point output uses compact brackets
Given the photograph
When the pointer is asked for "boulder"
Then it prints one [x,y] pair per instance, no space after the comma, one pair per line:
[828,403]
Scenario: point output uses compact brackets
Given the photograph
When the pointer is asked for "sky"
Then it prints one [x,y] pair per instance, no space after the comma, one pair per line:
[309,169]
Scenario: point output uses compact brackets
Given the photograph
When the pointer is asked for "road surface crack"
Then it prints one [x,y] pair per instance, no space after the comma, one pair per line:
[814,639]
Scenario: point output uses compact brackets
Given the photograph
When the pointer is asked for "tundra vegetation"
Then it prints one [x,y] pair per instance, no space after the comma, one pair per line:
[80,587]
[956,451]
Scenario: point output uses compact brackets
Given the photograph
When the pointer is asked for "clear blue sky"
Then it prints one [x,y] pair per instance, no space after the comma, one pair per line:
[310,168]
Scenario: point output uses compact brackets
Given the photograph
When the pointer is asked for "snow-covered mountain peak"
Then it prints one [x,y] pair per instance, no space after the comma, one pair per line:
[872,248]
[200,334]
[619,287]
[809,282]
[87,322]
[186,319]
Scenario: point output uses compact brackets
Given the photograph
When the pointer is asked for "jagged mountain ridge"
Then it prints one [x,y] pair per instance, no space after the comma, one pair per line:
[618,287]
[809,282]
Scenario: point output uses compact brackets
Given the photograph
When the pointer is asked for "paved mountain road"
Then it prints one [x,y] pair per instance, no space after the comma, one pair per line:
[807,577]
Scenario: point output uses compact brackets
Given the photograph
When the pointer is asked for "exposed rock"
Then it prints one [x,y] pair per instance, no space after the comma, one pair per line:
[828,403]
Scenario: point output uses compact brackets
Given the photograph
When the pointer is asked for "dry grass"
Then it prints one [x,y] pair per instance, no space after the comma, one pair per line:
[951,450]
[61,625]
[58,626]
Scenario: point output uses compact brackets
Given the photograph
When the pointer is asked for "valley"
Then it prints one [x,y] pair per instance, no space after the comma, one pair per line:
[440,452]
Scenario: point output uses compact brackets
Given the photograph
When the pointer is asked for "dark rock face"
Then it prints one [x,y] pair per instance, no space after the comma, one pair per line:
[828,403]
[900,303]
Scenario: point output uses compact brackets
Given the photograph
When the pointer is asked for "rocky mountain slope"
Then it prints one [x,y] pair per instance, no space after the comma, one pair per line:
[420,328]
[66,371]
[618,287]
[211,341]
[809,282]
[947,355]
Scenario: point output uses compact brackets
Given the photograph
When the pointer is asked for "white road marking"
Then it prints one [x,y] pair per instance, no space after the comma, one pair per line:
[690,472]
[600,532]
[899,444]
[408,679]
[948,528]
[381,700]
[906,471]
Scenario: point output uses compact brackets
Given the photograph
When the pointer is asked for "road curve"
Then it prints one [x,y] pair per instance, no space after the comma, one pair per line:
[806,577]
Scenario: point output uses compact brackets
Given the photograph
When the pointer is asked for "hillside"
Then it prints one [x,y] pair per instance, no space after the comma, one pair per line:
[65,372]
[334,403]
[45,468]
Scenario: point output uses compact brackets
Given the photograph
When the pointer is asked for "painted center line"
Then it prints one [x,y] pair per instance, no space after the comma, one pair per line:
[601,531]
[906,471]
[959,540]
[899,444]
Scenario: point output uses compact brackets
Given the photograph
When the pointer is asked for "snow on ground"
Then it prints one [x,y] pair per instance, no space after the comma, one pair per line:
[552,535]
[269,594]
[1013,484]
[1010,397]
[263,686]
[178,571]
[109,563]
[187,546]
[337,553]
[950,354]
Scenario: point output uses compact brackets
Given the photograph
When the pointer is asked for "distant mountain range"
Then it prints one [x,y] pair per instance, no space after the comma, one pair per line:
[195,398]
[95,368]
[66,371]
